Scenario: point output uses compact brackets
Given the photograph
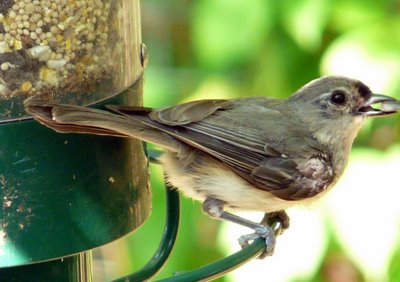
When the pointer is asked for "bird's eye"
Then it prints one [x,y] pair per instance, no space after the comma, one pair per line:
[338,97]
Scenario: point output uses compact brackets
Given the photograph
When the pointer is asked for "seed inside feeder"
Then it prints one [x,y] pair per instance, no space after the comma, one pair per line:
[50,50]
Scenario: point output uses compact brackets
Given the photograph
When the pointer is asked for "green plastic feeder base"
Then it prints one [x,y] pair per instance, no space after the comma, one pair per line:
[62,194]
[76,268]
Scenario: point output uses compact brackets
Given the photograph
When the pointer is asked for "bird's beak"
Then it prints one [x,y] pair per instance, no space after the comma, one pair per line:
[388,105]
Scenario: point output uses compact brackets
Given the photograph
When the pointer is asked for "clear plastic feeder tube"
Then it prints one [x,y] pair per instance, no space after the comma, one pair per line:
[66,51]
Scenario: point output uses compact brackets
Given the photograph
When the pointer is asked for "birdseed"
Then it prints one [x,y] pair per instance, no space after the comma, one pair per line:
[53,48]
[390,106]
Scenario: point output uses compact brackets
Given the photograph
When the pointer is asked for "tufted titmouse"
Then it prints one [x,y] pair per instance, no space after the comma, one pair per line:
[253,153]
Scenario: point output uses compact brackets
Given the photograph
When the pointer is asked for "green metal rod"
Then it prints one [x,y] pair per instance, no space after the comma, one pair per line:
[167,243]
[220,267]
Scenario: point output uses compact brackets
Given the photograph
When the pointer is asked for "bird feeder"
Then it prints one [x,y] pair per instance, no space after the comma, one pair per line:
[62,195]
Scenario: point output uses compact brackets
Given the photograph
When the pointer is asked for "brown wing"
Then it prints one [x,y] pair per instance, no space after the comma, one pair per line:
[248,136]
[189,112]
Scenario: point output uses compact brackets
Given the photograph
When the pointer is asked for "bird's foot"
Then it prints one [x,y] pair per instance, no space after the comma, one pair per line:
[265,232]
[280,220]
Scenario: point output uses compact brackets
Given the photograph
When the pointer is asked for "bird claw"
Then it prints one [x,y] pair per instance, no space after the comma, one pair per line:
[264,232]
[278,217]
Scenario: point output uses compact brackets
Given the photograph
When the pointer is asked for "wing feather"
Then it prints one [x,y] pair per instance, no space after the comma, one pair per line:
[251,145]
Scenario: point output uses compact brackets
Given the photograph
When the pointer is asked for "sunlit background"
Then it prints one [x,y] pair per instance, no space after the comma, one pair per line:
[232,48]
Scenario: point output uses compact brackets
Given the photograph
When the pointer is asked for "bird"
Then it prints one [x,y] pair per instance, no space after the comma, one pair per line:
[244,154]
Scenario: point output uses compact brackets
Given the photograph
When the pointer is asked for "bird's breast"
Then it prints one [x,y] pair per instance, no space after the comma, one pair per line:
[199,176]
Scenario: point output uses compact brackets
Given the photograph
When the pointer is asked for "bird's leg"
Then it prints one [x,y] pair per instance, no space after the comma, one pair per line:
[215,208]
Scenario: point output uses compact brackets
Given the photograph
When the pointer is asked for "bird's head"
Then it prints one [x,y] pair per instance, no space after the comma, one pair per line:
[334,108]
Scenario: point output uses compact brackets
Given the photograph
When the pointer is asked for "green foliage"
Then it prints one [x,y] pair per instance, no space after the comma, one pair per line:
[215,22]
[394,268]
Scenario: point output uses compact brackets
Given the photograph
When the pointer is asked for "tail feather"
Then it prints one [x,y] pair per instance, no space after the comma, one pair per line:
[76,119]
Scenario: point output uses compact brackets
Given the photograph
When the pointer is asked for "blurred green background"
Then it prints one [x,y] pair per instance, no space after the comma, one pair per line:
[232,48]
